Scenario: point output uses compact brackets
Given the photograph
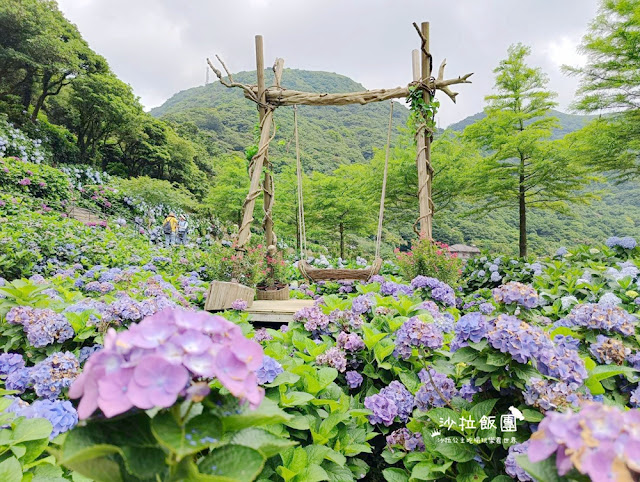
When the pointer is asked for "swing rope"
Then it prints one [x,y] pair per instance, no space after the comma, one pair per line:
[302,230]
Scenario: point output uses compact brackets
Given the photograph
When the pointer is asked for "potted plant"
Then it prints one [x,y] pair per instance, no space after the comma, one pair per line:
[235,277]
[274,285]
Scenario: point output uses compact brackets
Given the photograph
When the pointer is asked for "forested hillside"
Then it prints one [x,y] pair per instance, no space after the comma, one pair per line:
[329,136]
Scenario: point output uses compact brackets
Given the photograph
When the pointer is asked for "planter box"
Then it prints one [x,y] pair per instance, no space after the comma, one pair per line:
[274,294]
[222,293]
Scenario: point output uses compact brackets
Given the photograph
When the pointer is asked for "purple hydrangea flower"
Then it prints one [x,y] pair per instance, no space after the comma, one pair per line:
[416,333]
[42,326]
[406,440]
[239,305]
[87,351]
[402,398]
[18,380]
[261,334]
[429,394]
[600,441]
[514,292]
[634,360]
[269,370]
[333,357]
[350,342]
[361,304]
[354,379]
[551,395]
[601,317]
[440,291]
[384,409]
[609,350]
[313,318]
[512,468]
[486,308]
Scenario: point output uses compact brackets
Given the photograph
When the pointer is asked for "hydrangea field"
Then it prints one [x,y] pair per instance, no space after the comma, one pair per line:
[513,369]
[524,369]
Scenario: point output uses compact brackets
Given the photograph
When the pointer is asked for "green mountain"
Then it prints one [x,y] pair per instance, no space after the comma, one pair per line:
[329,136]
[568,122]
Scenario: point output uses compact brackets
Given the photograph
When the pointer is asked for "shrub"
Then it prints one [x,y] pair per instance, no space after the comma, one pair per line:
[36,180]
[430,258]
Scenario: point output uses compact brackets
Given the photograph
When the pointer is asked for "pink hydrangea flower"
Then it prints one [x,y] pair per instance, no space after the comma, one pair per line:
[25,182]
[155,362]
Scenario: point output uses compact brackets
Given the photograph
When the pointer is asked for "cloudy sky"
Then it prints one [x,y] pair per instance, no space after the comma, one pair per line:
[159,46]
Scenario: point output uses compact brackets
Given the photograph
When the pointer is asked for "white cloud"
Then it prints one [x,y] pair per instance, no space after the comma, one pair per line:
[159,46]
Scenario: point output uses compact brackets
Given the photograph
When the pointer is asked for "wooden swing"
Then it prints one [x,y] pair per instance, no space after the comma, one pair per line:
[329,274]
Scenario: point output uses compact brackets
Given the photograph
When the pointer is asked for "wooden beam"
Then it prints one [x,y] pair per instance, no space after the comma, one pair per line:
[426,222]
[267,186]
[257,164]
[421,159]
[283,97]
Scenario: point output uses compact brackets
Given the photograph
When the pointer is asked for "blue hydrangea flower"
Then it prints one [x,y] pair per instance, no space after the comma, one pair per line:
[416,333]
[269,370]
[472,326]
[60,413]
[54,373]
[10,362]
[512,468]
[427,396]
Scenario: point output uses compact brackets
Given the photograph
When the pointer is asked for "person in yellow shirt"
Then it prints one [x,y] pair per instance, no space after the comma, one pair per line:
[169,228]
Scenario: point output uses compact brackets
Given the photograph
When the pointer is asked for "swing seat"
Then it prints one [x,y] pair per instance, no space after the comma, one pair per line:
[330,274]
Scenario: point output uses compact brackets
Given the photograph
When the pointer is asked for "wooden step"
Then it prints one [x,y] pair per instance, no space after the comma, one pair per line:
[276,311]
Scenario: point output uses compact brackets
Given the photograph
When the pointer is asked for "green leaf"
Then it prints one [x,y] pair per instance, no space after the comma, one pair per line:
[482,409]
[465,354]
[26,429]
[236,462]
[188,439]
[544,471]
[267,443]
[531,415]
[312,473]
[293,399]
[458,452]
[370,337]
[267,413]
[10,470]
[282,378]
[410,380]
[602,372]
[395,475]
[337,473]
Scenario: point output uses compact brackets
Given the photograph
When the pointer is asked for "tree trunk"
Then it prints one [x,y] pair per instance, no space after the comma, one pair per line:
[45,91]
[25,89]
[341,228]
[523,212]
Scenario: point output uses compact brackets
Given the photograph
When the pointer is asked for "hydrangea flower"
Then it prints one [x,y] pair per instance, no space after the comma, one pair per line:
[42,326]
[634,360]
[261,334]
[609,299]
[333,357]
[405,439]
[486,308]
[61,414]
[54,373]
[625,243]
[495,277]
[468,390]
[354,379]
[609,350]
[440,291]
[551,395]
[350,342]
[599,441]
[269,370]
[416,333]
[384,409]
[561,251]
[568,301]
[313,317]
[87,351]
[361,304]
[151,363]
[429,396]
[600,317]
[18,380]
[515,292]
[402,398]
[512,468]
[10,362]
[472,326]
[239,305]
